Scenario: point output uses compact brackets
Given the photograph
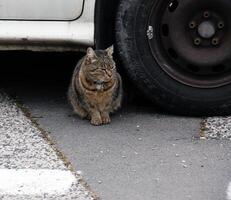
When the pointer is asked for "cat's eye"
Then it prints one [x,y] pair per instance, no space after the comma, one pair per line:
[93,69]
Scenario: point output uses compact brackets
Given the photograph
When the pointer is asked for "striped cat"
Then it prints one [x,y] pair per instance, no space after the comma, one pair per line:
[96,87]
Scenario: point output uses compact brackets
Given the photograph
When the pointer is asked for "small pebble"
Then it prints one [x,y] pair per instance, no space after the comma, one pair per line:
[79,172]
[7,136]
[177,155]
[183,161]
[123,156]
[185,166]
[136,153]
[99,182]
[157,179]
[101,151]
[139,139]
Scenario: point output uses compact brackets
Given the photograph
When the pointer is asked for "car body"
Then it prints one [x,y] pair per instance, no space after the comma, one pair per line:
[41,25]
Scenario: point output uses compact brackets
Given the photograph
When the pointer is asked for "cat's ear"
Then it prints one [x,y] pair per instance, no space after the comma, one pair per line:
[90,53]
[90,57]
[110,50]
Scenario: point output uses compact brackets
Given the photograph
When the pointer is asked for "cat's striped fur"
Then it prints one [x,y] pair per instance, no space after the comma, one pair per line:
[96,87]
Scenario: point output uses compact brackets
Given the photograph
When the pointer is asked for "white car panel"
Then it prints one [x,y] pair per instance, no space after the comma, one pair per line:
[41,9]
[49,35]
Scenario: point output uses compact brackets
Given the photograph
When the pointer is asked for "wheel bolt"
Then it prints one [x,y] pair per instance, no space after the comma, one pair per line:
[221,25]
[206,14]
[215,41]
[197,41]
[192,25]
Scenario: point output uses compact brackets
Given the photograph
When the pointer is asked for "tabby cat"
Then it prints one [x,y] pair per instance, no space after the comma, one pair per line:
[96,87]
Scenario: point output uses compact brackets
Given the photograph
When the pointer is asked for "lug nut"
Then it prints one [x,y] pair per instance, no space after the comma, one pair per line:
[192,25]
[206,14]
[197,41]
[215,41]
[221,25]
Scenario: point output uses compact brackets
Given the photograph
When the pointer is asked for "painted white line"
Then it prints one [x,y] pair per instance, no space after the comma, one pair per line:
[35,181]
[29,167]
[229,192]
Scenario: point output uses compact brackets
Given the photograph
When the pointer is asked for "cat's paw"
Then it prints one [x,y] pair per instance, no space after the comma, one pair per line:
[106,119]
[96,121]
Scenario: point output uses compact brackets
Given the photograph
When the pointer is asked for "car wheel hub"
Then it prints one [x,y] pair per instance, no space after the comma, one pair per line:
[206,29]
[193,41]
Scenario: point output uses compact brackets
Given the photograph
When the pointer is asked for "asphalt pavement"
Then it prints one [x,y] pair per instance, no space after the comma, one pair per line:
[143,154]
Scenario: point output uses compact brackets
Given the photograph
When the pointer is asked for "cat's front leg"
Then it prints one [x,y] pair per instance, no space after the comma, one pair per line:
[96,118]
[80,112]
[105,118]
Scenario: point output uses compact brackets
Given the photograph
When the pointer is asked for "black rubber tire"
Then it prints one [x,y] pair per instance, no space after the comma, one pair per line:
[158,86]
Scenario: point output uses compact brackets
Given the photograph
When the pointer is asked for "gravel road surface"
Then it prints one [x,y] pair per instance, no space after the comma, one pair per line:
[30,166]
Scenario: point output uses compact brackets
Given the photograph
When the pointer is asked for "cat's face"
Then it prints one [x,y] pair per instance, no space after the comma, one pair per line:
[99,66]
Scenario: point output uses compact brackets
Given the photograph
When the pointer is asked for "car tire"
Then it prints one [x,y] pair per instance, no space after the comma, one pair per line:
[146,69]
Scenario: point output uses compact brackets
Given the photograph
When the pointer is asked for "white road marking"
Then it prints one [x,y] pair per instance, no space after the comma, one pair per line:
[30,167]
[35,181]
[229,192]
